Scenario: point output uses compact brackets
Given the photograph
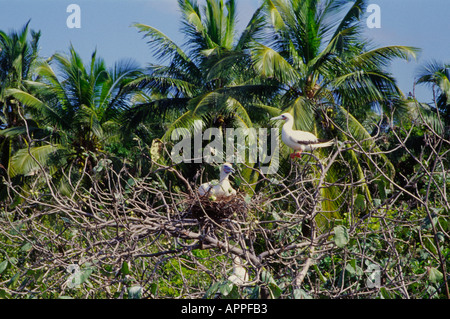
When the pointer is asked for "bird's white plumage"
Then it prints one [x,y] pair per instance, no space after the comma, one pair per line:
[219,188]
[298,140]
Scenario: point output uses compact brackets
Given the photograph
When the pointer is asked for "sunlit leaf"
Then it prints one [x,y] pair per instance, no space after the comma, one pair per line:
[341,236]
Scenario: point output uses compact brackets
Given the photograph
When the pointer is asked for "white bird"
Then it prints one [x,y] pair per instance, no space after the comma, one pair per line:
[299,140]
[220,188]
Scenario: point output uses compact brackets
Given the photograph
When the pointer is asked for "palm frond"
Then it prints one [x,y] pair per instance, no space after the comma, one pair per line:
[252,31]
[186,122]
[349,124]
[165,49]
[381,57]
[22,163]
[33,102]
[423,113]
[269,63]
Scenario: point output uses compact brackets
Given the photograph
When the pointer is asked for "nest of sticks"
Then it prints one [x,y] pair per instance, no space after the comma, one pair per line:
[203,207]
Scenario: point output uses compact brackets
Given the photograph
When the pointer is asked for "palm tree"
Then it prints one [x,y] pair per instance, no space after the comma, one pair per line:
[329,76]
[80,108]
[18,53]
[437,75]
[209,80]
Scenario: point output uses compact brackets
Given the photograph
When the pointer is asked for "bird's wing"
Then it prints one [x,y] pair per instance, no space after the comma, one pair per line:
[303,138]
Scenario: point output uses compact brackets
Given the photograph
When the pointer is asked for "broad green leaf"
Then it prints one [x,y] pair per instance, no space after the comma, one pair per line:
[266,277]
[341,236]
[434,275]
[353,268]
[13,280]
[226,288]
[26,247]
[429,243]
[3,294]
[301,294]
[3,266]
[24,162]
[269,63]
[275,290]
[212,289]
[80,277]
[13,260]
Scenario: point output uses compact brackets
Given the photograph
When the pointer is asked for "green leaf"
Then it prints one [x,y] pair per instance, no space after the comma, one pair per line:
[360,202]
[13,280]
[301,294]
[353,268]
[341,237]
[275,16]
[226,288]
[212,289]
[434,275]
[15,229]
[26,247]
[269,63]
[275,290]
[125,268]
[24,162]
[153,288]
[3,294]
[13,260]
[429,243]
[81,277]
[266,277]
[321,276]
[3,266]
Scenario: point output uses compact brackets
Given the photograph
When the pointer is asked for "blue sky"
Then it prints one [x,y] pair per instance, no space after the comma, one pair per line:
[106,26]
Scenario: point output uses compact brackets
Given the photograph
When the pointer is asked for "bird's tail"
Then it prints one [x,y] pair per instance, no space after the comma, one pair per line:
[323,143]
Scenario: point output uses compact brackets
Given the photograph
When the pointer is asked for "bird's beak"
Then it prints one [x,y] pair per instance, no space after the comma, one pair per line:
[276,118]
[229,170]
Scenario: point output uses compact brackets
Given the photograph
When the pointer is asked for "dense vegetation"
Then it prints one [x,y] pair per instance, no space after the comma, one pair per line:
[92,204]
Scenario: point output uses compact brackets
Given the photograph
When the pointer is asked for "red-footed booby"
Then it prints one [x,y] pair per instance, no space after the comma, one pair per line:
[220,188]
[299,141]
